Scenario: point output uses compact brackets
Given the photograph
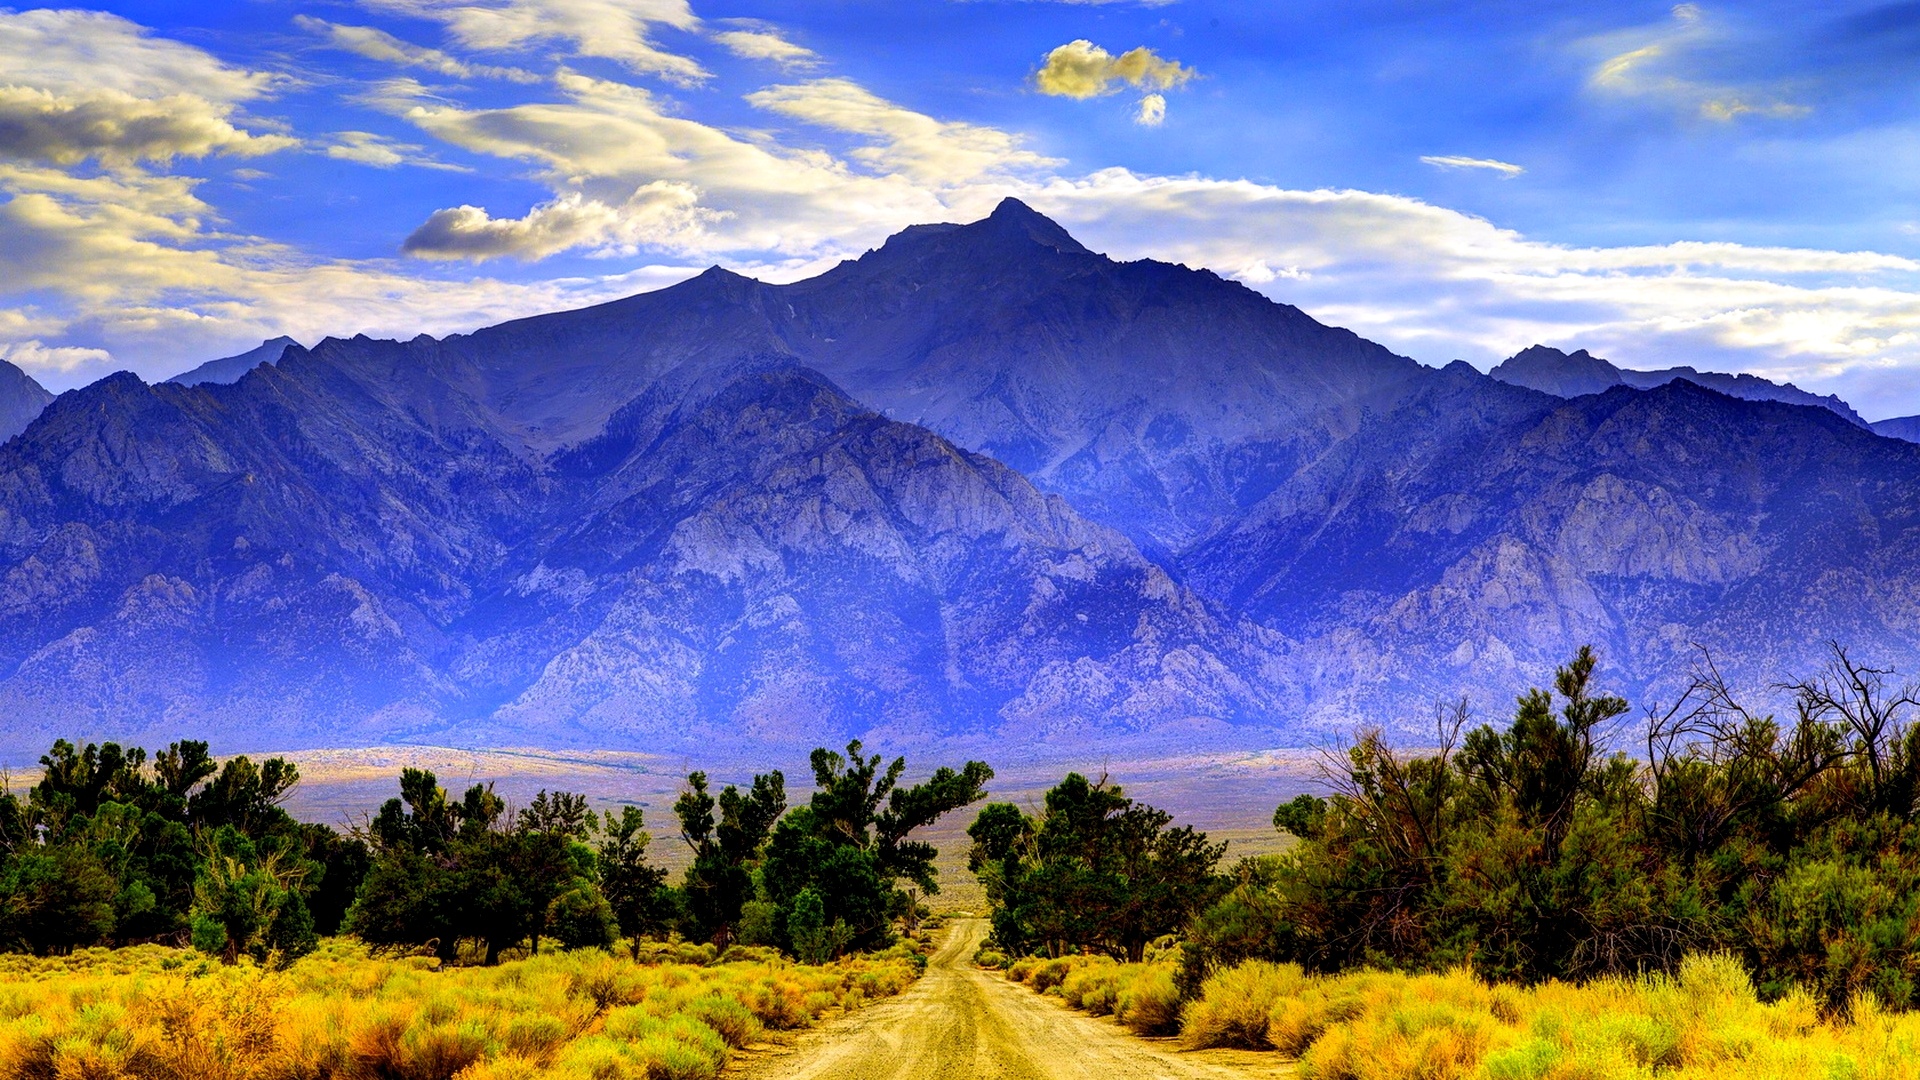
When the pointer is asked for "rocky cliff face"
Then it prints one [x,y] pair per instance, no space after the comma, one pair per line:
[21,399]
[352,545]
[1478,534]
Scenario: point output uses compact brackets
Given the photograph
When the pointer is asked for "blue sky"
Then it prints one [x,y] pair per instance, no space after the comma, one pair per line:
[1727,185]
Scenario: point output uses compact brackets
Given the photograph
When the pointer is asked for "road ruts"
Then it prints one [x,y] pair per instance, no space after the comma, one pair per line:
[960,1023]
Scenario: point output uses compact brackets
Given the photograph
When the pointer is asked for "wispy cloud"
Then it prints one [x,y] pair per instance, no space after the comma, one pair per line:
[1152,111]
[1506,169]
[377,44]
[1659,63]
[367,148]
[618,30]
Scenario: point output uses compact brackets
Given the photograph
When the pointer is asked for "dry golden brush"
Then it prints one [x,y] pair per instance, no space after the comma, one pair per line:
[151,1013]
[1704,1022]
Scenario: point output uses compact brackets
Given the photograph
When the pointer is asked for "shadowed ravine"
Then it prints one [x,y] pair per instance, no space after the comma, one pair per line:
[961,1023]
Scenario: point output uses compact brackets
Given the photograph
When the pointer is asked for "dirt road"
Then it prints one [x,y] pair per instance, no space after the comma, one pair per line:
[961,1023]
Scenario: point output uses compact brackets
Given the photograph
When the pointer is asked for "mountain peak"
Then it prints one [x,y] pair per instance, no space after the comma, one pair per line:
[1553,371]
[1013,217]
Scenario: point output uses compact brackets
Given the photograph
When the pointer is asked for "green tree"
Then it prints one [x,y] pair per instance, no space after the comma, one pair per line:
[635,890]
[54,899]
[850,844]
[725,851]
[1094,871]
[249,899]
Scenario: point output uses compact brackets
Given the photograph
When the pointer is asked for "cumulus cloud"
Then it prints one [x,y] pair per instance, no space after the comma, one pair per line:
[1659,62]
[377,44]
[661,214]
[766,44]
[618,30]
[1081,69]
[1152,111]
[79,85]
[1506,169]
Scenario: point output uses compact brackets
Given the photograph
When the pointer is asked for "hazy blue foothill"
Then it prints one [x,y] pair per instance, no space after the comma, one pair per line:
[228,369]
[979,484]
[21,399]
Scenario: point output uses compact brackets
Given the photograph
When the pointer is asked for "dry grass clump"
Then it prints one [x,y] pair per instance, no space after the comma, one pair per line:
[1704,1022]
[1141,996]
[151,1013]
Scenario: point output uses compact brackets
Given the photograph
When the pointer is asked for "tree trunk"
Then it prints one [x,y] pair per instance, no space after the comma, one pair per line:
[493,952]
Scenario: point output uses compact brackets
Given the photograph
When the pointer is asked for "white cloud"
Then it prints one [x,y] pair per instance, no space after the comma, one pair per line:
[1656,63]
[935,152]
[377,44]
[116,127]
[84,51]
[1437,284]
[1152,111]
[660,214]
[1081,69]
[619,30]
[601,149]
[768,45]
[36,358]
[1506,169]
[76,85]
[367,148]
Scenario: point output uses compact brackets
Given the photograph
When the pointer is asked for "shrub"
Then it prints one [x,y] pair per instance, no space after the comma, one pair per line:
[1149,1002]
[152,1012]
[1234,1005]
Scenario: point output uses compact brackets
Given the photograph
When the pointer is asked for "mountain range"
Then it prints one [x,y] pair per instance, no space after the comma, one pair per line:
[980,484]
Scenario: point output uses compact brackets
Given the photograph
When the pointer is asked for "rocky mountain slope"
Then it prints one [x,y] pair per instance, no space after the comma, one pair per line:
[350,545]
[980,484]
[1573,374]
[1899,427]
[21,399]
[1476,535]
[1160,400]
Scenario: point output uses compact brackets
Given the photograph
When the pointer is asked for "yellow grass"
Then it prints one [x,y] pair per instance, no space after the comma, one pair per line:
[1706,1022]
[1141,996]
[151,1013]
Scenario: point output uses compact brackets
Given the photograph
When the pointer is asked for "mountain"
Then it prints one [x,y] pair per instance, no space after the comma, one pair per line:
[1159,400]
[980,484]
[1899,427]
[21,399]
[1478,534]
[1574,374]
[352,545]
[228,369]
